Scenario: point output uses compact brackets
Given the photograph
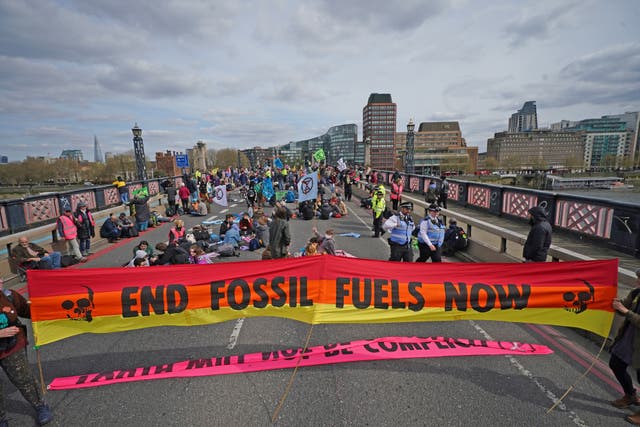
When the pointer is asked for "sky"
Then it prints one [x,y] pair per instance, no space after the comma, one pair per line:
[263,73]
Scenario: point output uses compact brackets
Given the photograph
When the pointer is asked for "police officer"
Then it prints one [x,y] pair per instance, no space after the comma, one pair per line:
[431,236]
[401,226]
[378,206]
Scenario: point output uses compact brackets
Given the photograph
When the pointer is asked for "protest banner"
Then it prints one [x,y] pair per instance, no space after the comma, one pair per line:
[321,290]
[386,348]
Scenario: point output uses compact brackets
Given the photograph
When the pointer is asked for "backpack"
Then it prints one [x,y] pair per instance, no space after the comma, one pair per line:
[134,232]
[251,193]
[227,249]
[180,256]
[254,244]
[170,211]
[67,260]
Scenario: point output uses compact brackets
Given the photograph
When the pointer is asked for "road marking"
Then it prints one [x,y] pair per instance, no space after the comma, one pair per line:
[365,224]
[211,218]
[233,339]
[233,205]
[224,210]
[527,374]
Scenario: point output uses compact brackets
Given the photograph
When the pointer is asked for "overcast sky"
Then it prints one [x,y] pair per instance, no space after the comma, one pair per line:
[263,73]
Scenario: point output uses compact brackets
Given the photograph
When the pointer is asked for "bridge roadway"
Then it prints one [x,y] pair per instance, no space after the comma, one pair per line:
[456,391]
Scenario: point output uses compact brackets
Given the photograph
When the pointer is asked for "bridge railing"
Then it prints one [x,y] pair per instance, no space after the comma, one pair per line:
[22,214]
[615,224]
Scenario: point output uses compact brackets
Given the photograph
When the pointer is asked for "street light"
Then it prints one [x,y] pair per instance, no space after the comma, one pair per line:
[409,166]
[138,148]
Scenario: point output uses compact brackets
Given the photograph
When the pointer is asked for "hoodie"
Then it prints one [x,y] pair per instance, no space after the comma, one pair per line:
[539,237]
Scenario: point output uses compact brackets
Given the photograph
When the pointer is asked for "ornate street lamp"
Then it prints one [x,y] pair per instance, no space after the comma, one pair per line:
[409,166]
[138,148]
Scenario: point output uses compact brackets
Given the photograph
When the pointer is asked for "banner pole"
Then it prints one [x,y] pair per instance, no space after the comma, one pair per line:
[595,359]
[44,389]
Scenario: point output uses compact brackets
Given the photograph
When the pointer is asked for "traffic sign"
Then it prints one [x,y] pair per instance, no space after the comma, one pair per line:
[182,160]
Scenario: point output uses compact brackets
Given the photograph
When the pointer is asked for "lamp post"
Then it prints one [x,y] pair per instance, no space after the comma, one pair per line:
[409,167]
[367,151]
[138,148]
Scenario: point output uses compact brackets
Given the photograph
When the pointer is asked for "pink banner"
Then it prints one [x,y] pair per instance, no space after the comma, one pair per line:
[356,351]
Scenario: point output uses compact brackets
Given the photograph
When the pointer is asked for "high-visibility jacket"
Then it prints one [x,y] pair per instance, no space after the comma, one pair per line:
[378,204]
[67,228]
[396,191]
[176,234]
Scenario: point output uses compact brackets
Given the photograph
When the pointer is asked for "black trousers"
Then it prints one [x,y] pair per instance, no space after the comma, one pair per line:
[619,368]
[426,253]
[401,252]
[377,225]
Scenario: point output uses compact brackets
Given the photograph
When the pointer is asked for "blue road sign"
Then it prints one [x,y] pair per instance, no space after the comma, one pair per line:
[182,160]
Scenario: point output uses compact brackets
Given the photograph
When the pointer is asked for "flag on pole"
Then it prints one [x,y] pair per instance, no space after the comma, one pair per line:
[341,165]
[308,187]
[278,163]
[319,155]
[267,188]
[220,195]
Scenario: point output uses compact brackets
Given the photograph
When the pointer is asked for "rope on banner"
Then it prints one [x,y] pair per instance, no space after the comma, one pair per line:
[595,359]
[293,375]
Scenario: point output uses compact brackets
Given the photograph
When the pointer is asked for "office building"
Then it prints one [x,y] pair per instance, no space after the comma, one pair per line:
[338,142]
[537,149]
[525,119]
[438,148]
[379,129]
[259,157]
[72,155]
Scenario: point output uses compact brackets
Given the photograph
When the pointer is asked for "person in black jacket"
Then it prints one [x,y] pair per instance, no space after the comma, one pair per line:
[539,238]
[170,255]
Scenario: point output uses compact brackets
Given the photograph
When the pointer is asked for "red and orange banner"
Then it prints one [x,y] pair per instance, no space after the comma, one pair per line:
[321,290]
[387,348]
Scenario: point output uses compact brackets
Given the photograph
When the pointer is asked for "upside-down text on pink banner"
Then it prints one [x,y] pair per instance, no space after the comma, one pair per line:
[356,351]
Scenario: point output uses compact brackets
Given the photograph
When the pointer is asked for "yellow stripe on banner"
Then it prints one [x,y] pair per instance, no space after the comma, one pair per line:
[596,321]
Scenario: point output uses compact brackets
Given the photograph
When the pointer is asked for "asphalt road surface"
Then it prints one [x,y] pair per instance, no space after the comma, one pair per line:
[449,391]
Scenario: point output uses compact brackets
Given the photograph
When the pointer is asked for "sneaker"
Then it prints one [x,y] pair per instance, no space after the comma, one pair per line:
[44,414]
[83,259]
[626,401]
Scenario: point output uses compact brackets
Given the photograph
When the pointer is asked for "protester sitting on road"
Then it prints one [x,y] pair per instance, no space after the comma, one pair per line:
[30,255]
[232,236]
[245,225]
[199,256]
[126,226]
[226,224]
[143,246]
[326,244]
[140,254]
[311,249]
[110,229]
[170,255]
[177,233]
[262,230]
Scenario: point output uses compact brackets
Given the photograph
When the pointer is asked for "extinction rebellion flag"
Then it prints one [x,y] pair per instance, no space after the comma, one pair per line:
[321,290]
[308,187]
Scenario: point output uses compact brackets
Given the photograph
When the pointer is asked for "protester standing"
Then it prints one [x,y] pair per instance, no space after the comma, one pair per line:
[625,349]
[444,192]
[539,237]
[13,355]
[378,206]
[279,234]
[86,228]
[401,228]
[68,230]
[396,193]
[431,236]
[142,214]
[184,194]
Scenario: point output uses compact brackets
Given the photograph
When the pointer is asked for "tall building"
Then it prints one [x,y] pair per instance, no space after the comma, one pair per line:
[198,157]
[438,147]
[537,149]
[607,142]
[72,155]
[525,119]
[632,122]
[97,151]
[379,128]
[338,142]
